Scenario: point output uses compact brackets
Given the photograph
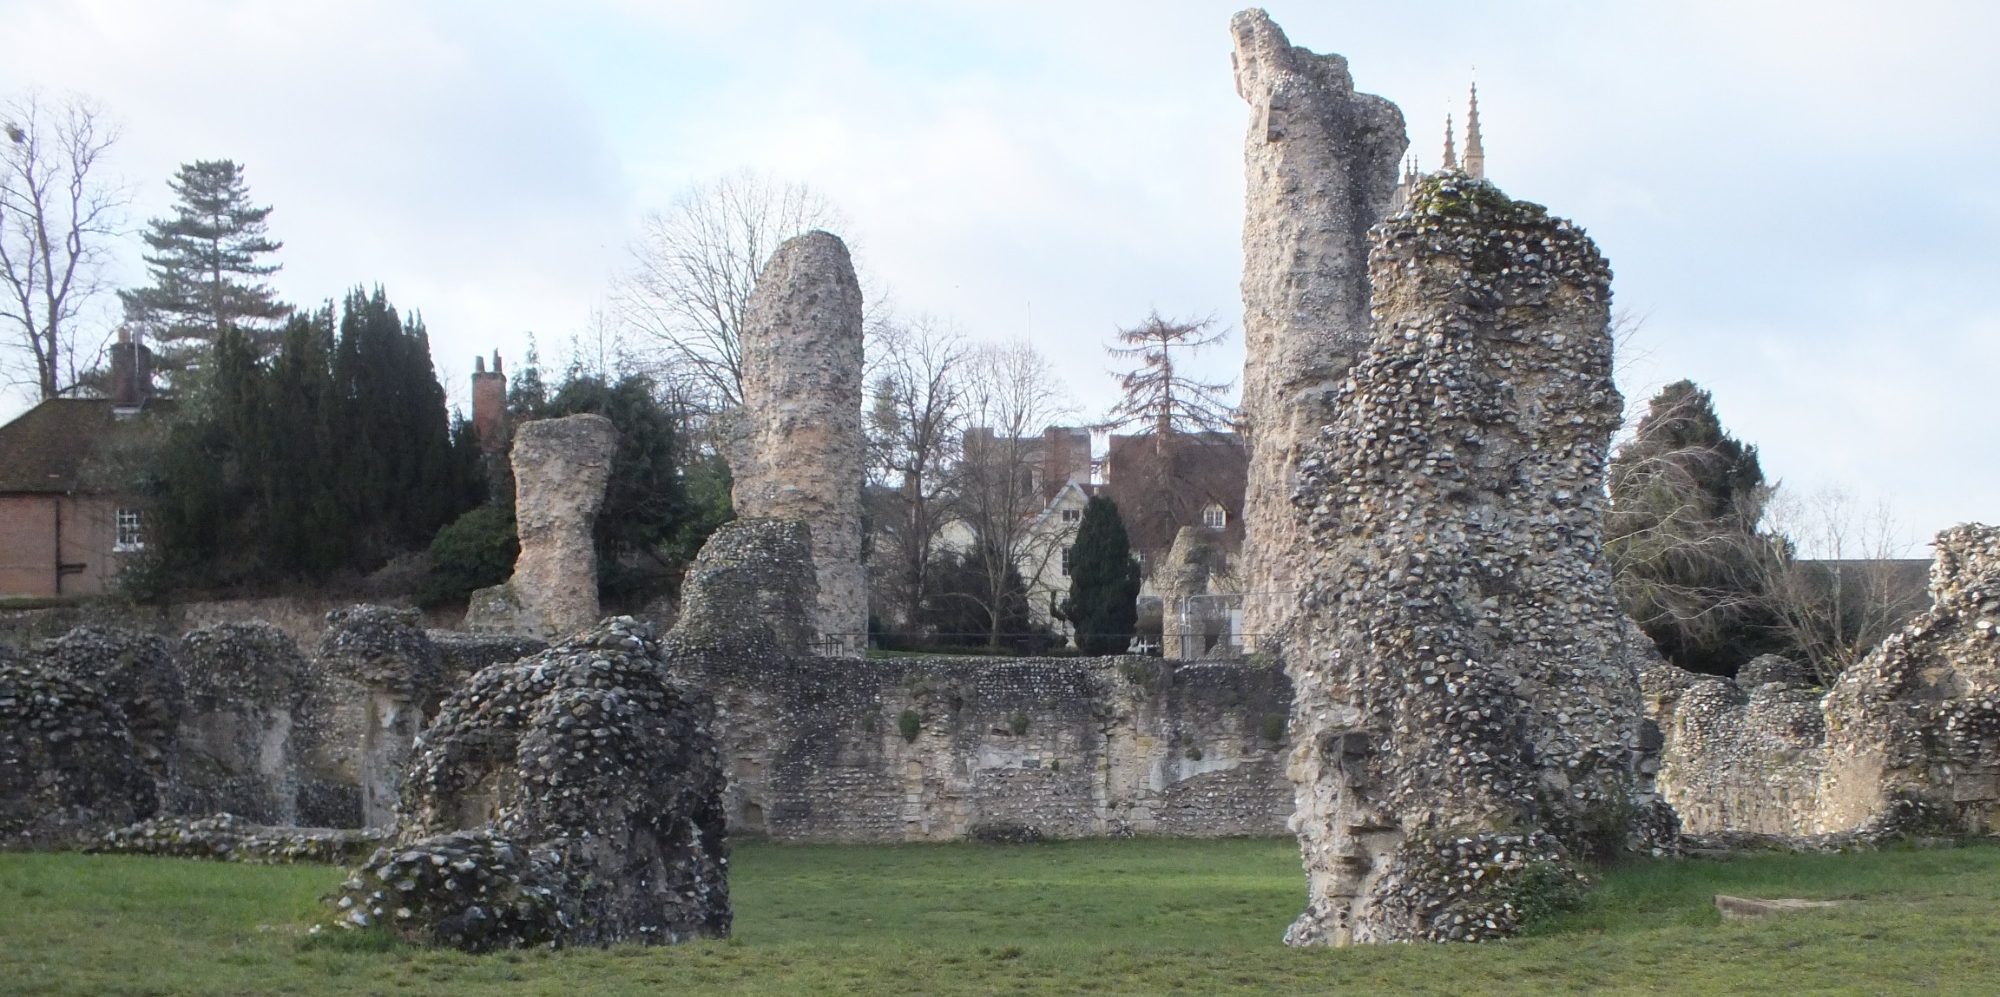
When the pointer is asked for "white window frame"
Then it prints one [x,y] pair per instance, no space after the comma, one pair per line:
[128,530]
[1067,548]
[1072,515]
[1215,517]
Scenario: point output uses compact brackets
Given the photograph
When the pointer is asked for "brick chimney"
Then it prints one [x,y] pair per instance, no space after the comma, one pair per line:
[131,375]
[489,405]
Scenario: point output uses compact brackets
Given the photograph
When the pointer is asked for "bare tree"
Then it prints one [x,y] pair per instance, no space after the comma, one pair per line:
[1833,579]
[914,433]
[1160,398]
[1681,535]
[57,214]
[1012,394]
[695,264]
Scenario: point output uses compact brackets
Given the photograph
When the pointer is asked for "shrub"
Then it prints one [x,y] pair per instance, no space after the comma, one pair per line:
[471,552]
[910,723]
[1018,722]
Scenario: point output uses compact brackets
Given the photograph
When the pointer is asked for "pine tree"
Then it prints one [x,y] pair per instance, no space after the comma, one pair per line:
[1681,535]
[1103,603]
[205,263]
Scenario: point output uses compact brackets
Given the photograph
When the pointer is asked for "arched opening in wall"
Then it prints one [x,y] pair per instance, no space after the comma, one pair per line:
[753,819]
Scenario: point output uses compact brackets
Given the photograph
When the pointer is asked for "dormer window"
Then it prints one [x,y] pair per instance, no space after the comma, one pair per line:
[1215,517]
[1072,515]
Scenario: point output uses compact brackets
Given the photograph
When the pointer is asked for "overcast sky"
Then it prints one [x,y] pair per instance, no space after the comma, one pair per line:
[1798,198]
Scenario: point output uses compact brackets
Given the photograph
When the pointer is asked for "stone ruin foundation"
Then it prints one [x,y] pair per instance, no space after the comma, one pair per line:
[1466,720]
[68,765]
[571,797]
[1319,167]
[1906,742]
[802,450]
[560,469]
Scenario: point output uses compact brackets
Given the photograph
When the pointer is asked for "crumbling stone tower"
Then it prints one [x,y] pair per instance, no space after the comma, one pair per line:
[1466,717]
[801,453]
[1319,168]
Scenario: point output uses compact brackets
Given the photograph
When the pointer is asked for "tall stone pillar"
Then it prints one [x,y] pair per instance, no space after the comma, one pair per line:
[560,469]
[1466,720]
[1319,167]
[801,453]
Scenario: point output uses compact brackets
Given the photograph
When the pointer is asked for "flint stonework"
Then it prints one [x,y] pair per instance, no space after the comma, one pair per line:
[1319,168]
[802,451]
[1464,700]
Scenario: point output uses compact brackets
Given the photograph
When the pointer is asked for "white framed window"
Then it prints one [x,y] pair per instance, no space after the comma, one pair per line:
[1072,515]
[1215,517]
[131,532]
[1065,560]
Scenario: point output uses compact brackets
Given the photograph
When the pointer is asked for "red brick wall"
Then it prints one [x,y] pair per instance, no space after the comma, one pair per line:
[28,538]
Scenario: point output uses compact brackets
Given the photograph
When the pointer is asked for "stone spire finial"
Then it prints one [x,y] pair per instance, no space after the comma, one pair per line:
[1450,153]
[1475,153]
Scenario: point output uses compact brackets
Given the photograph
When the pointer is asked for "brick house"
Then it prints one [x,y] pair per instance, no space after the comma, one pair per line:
[65,530]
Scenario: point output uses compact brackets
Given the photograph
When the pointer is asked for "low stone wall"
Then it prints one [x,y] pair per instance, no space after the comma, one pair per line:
[1907,741]
[931,749]
[302,618]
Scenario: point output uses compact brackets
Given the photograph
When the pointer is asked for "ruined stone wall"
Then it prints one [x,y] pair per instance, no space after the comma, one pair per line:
[1463,698]
[1908,738]
[1002,749]
[802,450]
[1320,165]
[1742,757]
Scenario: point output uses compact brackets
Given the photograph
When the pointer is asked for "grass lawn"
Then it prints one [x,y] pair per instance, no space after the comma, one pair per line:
[1139,917]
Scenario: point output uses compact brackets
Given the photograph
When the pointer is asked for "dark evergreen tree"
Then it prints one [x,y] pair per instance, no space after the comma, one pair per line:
[644,500]
[1103,603]
[399,482]
[332,455]
[1682,537]
[206,263]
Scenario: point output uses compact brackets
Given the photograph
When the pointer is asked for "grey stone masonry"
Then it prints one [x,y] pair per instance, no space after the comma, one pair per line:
[1319,167]
[802,449]
[1466,715]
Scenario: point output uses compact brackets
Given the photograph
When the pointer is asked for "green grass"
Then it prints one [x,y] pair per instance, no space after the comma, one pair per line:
[1137,917]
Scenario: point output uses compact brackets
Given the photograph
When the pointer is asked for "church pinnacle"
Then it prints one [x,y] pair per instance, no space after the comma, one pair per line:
[1450,154]
[1475,153]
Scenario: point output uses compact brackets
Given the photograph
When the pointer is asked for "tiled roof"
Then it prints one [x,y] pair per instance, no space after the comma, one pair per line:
[48,448]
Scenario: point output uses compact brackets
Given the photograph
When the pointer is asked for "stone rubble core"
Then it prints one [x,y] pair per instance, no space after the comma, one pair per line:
[802,448]
[138,671]
[246,726]
[1466,718]
[560,469]
[582,782]
[1320,165]
[751,590]
[382,664]
[229,838]
[1907,742]
[68,766]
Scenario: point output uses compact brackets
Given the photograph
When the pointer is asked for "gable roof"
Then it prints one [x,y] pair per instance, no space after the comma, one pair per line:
[48,448]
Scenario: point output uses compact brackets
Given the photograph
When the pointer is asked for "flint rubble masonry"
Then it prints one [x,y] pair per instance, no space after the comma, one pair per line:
[1466,715]
[1319,169]
[802,450]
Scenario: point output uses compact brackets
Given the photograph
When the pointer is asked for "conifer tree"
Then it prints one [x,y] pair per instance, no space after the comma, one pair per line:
[1681,535]
[1103,603]
[399,477]
[206,263]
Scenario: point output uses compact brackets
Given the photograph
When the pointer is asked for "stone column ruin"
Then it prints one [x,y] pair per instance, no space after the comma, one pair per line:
[1319,168]
[1466,717]
[560,469]
[801,454]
